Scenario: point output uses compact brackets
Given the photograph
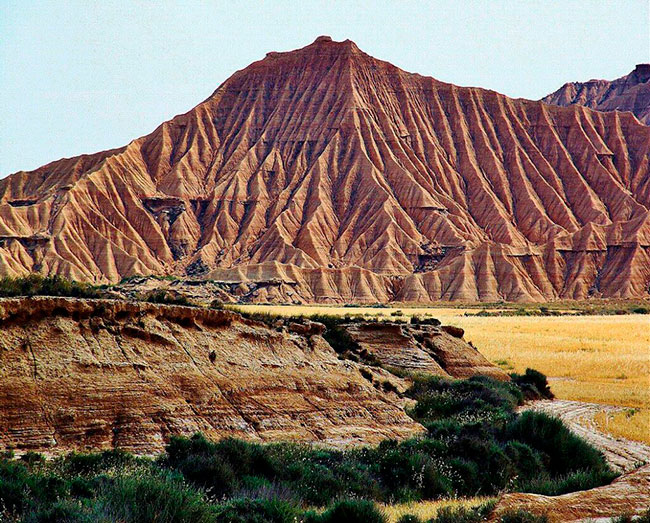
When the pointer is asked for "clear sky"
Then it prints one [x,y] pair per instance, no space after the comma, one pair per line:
[82,76]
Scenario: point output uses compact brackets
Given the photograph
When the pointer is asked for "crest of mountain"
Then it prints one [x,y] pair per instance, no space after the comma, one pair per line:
[324,174]
[628,93]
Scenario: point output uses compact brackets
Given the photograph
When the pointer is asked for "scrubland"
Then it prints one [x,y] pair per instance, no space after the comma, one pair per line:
[602,358]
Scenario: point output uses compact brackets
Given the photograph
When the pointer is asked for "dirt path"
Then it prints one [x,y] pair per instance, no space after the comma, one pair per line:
[622,454]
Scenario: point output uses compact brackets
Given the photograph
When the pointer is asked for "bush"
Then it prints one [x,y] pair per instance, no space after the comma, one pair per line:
[627,518]
[160,496]
[94,463]
[564,452]
[533,384]
[258,511]
[571,482]
[64,511]
[350,511]
[462,514]
[409,518]
[416,320]
[167,298]
[212,465]
[37,285]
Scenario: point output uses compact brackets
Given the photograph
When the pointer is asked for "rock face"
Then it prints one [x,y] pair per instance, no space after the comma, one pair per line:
[629,494]
[423,348]
[628,93]
[326,175]
[89,374]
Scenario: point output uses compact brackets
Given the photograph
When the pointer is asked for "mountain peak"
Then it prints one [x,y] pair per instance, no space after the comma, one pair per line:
[322,39]
[322,45]
[627,93]
[324,174]
[642,72]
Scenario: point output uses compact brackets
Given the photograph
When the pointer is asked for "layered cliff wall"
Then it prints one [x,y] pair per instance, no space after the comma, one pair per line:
[88,374]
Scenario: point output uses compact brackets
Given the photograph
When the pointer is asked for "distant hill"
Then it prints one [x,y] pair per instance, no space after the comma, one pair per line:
[327,175]
[628,93]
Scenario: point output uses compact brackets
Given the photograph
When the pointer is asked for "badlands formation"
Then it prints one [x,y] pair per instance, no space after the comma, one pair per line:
[628,93]
[326,175]
[90,374]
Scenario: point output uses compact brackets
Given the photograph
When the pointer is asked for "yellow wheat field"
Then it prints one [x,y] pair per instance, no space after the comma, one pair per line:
[600,359]
[629,424]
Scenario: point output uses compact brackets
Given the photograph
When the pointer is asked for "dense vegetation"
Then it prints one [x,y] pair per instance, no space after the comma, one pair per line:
[165,298]
[36,285]
[475,444]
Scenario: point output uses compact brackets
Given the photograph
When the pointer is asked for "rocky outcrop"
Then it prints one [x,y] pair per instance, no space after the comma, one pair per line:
[326,175]
[628,93]
[90,374]
[627,495]
[422,348]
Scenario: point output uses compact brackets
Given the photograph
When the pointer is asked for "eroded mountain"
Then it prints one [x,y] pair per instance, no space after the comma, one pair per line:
[628,93]
[326,175]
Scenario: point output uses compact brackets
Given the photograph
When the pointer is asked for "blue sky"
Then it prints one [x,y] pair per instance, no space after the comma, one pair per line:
[81,76]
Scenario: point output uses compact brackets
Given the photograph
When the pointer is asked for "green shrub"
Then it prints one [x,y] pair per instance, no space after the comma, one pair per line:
[350,511]
[62,511]
[258,511]
[37,285]
[640,518]
[409,518]
[462,514]
[166,298]
[94,463]
[564,452]
[571,482]
[160,496]
[533,384]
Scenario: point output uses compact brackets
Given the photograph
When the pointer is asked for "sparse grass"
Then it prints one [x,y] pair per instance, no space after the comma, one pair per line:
[426,510]
[594,358]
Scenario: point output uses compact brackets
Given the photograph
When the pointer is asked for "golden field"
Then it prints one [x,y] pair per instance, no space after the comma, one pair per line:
[628,424]
[601,359]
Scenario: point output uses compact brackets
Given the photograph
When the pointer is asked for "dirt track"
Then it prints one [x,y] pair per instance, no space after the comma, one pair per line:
[623,455]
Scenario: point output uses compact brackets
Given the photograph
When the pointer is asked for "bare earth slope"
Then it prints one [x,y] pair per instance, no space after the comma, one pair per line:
[88,374]
[628,93]
[331,176]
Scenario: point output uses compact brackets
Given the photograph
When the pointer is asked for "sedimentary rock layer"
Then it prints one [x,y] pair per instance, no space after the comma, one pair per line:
[92,374]
[628,93]
[326,175]
[422,348]
[628,495]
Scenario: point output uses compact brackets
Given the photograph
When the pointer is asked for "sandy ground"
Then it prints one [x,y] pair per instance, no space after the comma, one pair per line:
[623,455]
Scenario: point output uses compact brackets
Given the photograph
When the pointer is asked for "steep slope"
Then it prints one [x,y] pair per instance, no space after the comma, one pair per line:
[78,374]
[324,174]
[628,93]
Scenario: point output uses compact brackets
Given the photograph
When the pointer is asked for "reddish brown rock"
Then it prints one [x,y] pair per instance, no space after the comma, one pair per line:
[628,93]
[326,175]
[93,374]
[456,332]
[422,348]
[627,495]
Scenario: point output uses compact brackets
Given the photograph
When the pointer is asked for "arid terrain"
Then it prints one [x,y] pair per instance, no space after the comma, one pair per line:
[326,175]
[603,359]
[335,291]
[628,93]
